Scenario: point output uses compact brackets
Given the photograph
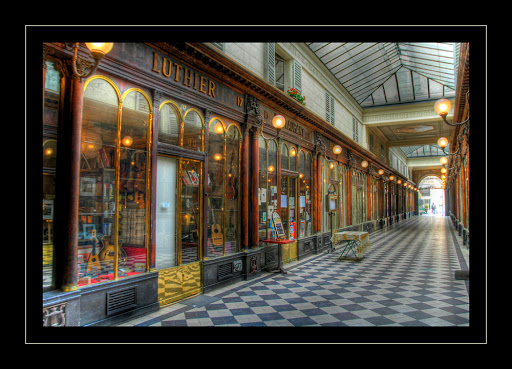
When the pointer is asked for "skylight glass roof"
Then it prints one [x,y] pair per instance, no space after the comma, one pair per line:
[390,72]
[424,150]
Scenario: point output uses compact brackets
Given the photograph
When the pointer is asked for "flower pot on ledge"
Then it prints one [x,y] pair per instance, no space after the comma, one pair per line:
[297,96]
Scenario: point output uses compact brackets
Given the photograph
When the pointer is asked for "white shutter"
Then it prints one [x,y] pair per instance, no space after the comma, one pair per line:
[355,129]
[218,45]
[271,63]
[329,108]
[297,76]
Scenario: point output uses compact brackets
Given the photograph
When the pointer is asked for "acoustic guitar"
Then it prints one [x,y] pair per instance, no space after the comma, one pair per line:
[106,254]
[231,184]
[216,232]
[93,264]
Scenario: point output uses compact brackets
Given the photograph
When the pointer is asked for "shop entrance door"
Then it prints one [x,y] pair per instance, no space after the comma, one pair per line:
[288,213]
[178,228]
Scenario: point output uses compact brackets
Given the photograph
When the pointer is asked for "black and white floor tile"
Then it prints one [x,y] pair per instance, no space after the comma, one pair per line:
[405,279]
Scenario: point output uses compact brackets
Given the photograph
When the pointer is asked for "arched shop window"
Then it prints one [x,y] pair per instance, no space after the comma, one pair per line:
[285,157]
[51,108]
[343,194]
[334,190]
[305,198]
[192,137]
[114,189]
[267,190]
[223,189]
[169,123]
[179,188]
[293,158]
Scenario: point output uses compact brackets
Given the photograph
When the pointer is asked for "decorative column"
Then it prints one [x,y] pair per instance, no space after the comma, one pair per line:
[349,188]
[245,186]
[255,165]
[68,185]
[314,193]
[157,99]
[318,193]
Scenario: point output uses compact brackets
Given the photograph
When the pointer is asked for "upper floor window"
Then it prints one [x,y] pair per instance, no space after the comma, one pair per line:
[282,72]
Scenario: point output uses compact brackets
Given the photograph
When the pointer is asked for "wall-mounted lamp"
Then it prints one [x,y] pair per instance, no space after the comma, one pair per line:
[364,164]
[381,171]
[443,160]
[293,152]
[442,107]
[442,142]
[97,49]
[391,178]
[337,149]
[399,181]
[278,122]
[444,170]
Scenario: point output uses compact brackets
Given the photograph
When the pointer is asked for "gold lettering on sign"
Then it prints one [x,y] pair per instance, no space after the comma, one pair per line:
[211,88]
[239,101]
[168,73]
[178,68]
[187,78]
[202,84]
[162,65]
[155,61]
[295,128]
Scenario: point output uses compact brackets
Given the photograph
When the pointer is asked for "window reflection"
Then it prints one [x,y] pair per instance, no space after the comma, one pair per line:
[224,189]
[193,131]
[97,183]
[169,124]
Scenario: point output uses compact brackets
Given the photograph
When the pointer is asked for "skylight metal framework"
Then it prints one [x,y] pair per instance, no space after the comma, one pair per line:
[422,151]
[384,73]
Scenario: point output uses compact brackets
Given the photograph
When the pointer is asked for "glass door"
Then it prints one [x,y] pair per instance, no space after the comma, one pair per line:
[178,228]
[287,200]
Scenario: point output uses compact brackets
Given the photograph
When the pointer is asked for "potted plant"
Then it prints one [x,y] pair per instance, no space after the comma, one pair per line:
[297,95]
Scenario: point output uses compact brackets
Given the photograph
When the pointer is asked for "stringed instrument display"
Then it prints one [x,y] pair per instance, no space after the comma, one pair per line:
[216,232]
[231,182]
[93,264]
[107,253]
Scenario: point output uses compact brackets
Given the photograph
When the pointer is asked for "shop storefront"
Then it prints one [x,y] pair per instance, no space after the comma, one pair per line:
[167,181]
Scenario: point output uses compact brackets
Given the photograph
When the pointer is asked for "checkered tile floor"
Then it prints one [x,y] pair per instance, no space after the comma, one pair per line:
[406,279]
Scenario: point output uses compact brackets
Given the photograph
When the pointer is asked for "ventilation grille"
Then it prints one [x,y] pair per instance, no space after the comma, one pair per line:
[225,270]
[270,257]
[121,300]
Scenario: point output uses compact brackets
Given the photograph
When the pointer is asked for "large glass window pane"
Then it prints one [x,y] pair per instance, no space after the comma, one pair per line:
[308,177]
[166,248]
[216,164]
[232,225]
[262,188]
[190,210]
[97,181]
[193,131]
[50,118]
[284,157]
[293,159]
[133,200]
[169,124]
[270,196]
[48,250]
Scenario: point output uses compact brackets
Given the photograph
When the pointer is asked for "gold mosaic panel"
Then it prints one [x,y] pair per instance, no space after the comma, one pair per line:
[179,282]
[290,252]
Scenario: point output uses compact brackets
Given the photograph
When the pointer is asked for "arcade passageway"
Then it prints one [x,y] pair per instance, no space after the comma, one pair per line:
[407,278]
